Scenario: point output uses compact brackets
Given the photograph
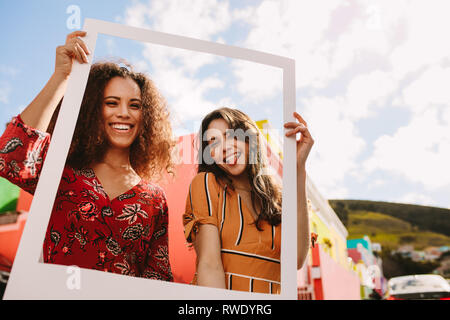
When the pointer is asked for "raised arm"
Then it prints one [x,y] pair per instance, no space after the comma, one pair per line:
[39,112]
[24,144]
[304,145]
[303,234]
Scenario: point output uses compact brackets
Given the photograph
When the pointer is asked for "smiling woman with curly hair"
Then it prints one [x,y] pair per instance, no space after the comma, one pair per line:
[150,152]
[107,215]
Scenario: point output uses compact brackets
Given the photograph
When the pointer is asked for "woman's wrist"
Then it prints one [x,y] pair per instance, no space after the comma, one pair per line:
[301,171]
[59,77]
[57,85]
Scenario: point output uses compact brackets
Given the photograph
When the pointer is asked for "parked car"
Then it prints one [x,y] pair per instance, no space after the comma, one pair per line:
[422,286]
[5,269]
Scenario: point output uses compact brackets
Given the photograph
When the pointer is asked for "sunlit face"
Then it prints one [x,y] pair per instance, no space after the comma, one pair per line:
[122,112]
[227,151]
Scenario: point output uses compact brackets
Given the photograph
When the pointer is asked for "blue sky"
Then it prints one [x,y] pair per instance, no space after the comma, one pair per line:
[372,78]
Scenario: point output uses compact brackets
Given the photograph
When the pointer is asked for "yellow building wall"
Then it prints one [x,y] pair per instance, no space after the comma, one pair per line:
[265,128]
[328,238]
[340,248]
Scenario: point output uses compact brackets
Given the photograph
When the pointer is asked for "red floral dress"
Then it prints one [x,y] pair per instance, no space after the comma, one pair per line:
[126,235]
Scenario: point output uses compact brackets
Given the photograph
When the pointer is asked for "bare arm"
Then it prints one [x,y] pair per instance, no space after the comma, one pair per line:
[302,218]
[210,271]
[304,145]
[39,112]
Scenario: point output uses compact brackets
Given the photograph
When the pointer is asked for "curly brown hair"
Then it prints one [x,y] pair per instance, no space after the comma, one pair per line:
[151,151]
[263,186]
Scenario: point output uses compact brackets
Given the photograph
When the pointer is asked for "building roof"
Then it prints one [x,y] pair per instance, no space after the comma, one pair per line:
[365,242]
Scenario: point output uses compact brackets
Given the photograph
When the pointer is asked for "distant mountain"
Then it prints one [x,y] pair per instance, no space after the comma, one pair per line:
[422,217]
[393,225]
[391,232]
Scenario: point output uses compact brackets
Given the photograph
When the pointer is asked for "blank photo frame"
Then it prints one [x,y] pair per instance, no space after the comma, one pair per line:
[32,279]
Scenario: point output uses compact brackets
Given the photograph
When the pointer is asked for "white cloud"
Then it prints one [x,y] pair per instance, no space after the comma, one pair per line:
[324,37]
[328,38]
[419,152]
[367,92]
[446,116]
[336,148]
[185,92]
[110,45]
[136,15]
[293,29]
[377,183]
[426,37]
[416,198]
[8,70]
[5,90]
[196,18]
[200,19]
[430,88]
[256,82]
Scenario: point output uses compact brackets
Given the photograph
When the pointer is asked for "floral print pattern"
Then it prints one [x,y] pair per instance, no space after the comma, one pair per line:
[133,232]
[130,212]
[126,235]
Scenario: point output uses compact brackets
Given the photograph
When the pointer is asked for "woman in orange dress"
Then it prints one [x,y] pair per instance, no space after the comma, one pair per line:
[233,209]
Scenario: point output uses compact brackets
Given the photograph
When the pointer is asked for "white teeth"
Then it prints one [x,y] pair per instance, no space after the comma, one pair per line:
[232,159]
[121,126]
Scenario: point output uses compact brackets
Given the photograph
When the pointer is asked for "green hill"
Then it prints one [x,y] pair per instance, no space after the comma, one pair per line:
[391,232]
[422,218]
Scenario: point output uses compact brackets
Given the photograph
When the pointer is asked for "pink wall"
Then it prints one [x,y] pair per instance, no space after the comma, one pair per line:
[337,282]
[182,257]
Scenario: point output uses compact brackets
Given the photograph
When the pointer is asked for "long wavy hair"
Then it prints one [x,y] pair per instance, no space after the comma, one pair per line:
[263,186]
[151,151]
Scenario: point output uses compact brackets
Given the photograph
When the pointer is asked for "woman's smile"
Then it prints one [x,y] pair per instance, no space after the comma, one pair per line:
[122,127]
[232,159]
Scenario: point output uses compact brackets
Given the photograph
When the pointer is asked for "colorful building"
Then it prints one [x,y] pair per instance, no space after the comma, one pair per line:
[365,256]
[8,196]
[13,221]
[327,274]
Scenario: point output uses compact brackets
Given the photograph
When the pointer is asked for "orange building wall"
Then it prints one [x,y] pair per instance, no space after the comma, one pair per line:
[10,236]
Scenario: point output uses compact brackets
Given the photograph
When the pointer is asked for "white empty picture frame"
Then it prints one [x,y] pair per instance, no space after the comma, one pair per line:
[32,279]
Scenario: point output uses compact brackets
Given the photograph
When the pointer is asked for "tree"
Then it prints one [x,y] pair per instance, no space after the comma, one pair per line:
[395,265]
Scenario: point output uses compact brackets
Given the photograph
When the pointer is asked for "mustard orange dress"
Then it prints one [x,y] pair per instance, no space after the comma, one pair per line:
[250,258]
